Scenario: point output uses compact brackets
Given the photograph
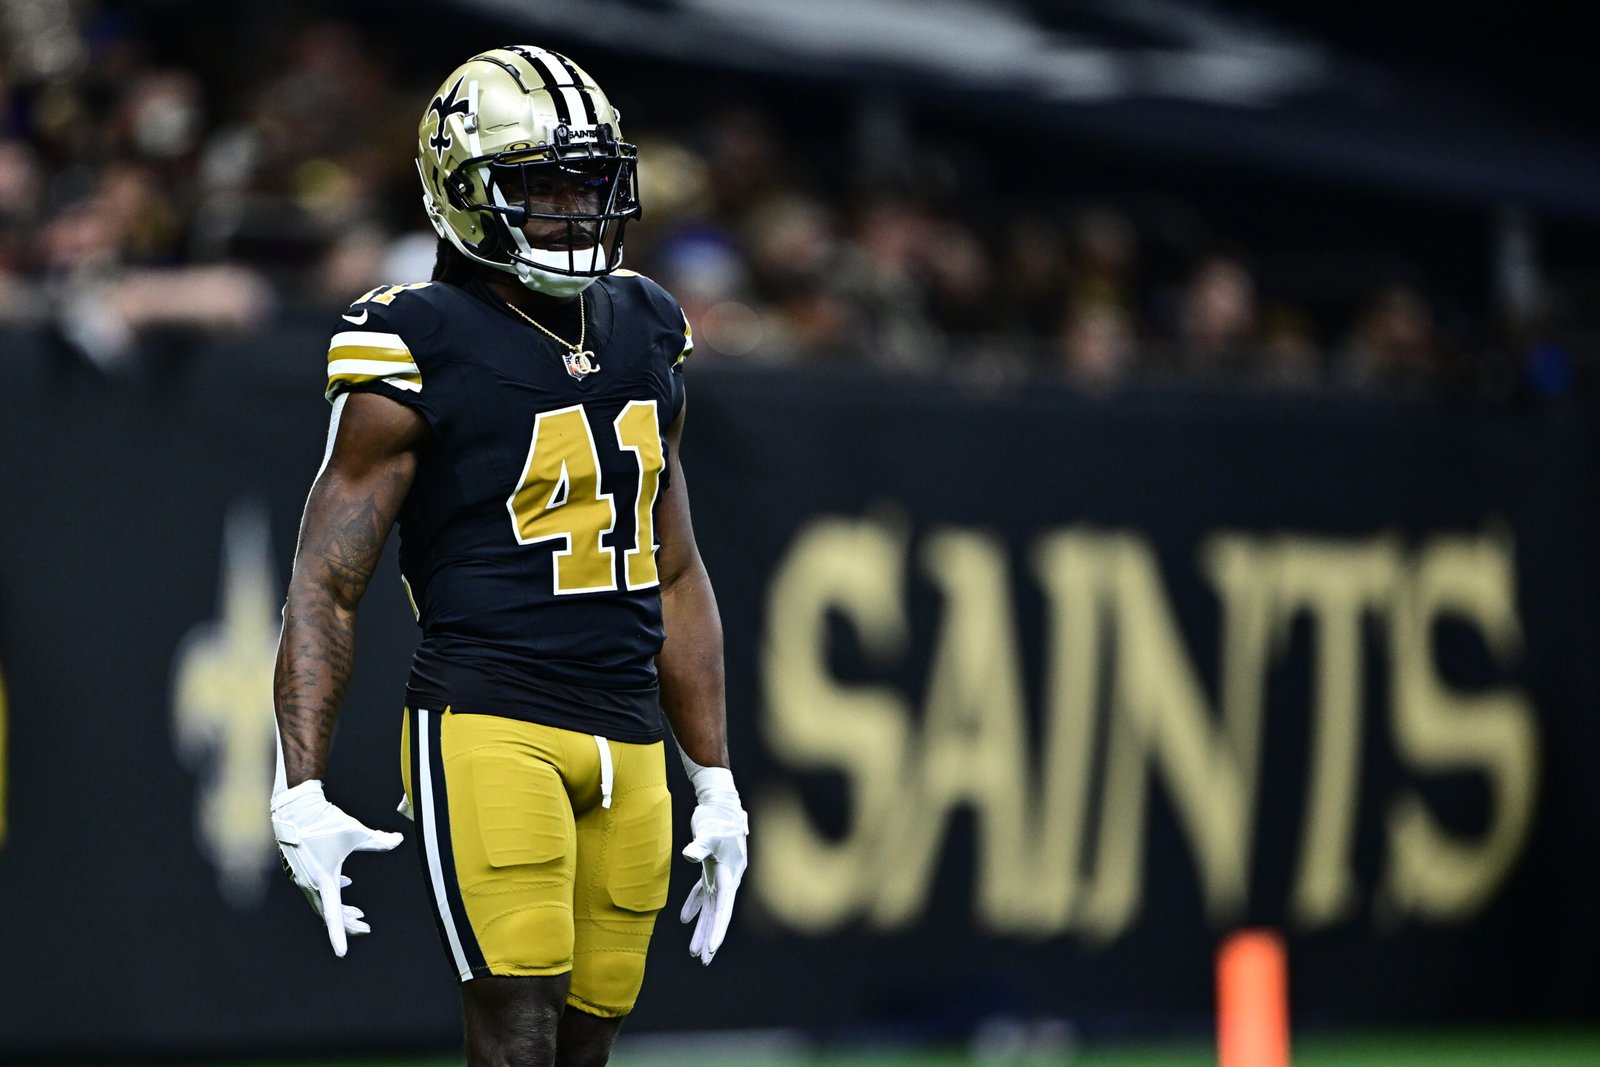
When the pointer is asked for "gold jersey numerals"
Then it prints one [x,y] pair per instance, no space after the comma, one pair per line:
[637,433]
[560,498]
[385,294]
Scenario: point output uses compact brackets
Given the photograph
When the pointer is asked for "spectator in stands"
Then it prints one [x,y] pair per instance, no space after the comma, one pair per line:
[160,120]
[1393,345]
[889,248]
[1104,253]
[1217,321]
[805,274]
[1034,259]
[21,188]
[1288,353]
[108,256]
[1097,347]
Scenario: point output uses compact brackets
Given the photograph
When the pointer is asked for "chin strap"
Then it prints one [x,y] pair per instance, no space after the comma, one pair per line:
[560,286]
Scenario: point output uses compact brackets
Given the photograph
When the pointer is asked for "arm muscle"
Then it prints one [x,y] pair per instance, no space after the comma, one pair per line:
[348,515]
[690,664]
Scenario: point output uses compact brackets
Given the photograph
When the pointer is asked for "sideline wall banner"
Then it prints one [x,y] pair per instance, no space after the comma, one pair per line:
[1052,694]
[1034,699]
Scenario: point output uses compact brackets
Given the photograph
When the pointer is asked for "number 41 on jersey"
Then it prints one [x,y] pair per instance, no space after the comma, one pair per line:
[560,498]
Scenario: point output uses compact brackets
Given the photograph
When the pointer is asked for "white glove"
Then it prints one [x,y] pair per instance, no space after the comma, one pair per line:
[720,826]
[316,837]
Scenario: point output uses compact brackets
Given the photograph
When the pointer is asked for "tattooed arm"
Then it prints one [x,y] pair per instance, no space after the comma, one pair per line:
[347,519]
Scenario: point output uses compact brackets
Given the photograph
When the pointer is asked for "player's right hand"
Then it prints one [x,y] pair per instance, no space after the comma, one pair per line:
[315,838]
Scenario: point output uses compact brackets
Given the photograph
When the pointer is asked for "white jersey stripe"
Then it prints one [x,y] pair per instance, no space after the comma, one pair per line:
[374,368]
[367,339]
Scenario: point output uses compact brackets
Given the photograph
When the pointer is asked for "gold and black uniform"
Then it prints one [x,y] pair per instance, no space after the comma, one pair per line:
[527,541]
[532,749]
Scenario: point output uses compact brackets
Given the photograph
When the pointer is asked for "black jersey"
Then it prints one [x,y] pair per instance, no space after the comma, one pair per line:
[528,540]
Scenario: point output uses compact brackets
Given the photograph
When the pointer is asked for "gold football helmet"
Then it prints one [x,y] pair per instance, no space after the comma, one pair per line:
[524,168]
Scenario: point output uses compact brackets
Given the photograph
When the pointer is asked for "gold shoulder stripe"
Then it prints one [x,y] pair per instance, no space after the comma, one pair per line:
[623,272]
[359,356]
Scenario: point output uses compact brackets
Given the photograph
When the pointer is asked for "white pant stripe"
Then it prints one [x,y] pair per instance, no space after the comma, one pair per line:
[606,770]
[430,839]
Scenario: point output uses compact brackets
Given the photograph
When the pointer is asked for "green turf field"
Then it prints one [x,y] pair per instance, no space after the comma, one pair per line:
[1454,1049]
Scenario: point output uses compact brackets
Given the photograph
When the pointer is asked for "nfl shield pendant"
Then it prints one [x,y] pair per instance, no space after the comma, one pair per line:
[580,364]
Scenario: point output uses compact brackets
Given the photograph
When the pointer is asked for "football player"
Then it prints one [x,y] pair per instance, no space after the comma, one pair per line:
[519,416]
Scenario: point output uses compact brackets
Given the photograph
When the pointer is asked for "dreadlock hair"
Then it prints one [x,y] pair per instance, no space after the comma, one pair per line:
[449,265]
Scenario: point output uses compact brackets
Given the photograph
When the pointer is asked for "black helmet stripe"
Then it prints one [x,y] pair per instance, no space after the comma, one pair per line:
[551,82]
[583,90]
[558,82]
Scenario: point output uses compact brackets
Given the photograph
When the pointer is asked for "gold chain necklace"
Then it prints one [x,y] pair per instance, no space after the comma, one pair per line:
[580,361]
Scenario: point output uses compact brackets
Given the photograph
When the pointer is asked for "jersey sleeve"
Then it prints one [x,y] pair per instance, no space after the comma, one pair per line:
[677,348]
[373,351]
[688,339]
[371,357]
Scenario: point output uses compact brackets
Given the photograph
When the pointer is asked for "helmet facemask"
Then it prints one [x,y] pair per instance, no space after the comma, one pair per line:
[575,196]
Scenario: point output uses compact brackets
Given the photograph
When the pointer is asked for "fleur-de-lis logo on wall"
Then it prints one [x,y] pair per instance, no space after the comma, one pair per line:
[222,711]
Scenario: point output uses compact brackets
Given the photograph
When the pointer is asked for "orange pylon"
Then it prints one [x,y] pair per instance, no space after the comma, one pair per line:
[1253,1000]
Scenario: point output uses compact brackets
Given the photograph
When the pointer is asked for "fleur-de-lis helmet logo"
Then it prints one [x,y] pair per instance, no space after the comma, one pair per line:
[444,105]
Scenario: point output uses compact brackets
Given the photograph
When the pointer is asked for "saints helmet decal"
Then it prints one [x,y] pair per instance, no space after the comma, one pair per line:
[524,168]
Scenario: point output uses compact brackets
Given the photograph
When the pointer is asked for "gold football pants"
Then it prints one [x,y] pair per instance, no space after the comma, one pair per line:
[544,850]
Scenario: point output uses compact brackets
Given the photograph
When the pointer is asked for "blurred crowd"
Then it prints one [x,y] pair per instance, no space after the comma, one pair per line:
[139,196]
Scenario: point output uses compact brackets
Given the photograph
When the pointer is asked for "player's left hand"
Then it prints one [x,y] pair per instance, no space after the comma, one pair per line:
[315,837]
[720,827]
